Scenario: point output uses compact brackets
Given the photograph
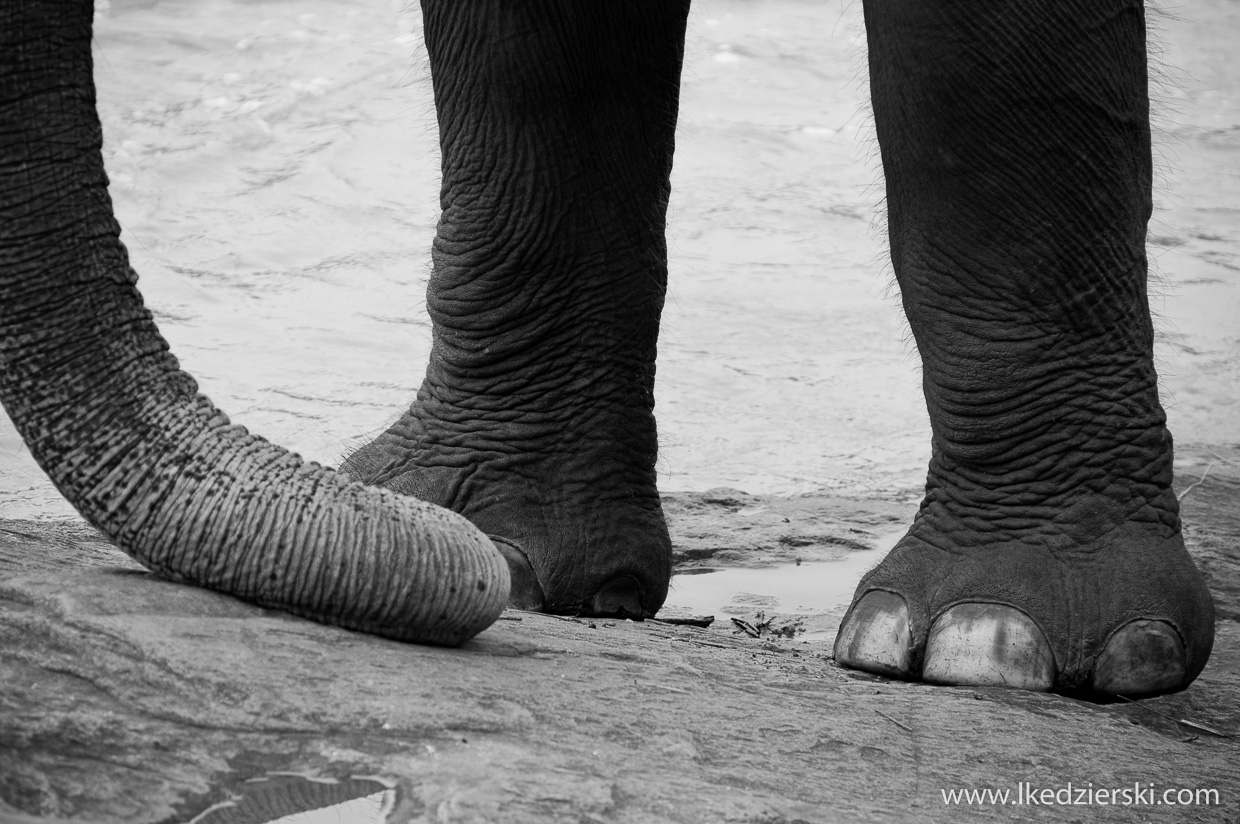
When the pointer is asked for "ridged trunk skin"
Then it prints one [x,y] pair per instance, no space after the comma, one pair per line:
[104,408]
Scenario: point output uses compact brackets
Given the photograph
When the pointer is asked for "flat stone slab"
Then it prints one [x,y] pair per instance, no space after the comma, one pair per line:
[127,698]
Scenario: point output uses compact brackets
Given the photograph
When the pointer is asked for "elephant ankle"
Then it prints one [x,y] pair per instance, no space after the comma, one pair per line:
[1070,495]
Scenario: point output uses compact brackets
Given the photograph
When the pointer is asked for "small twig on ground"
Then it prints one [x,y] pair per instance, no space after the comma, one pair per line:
[1198,483]
[1221,458]
[746,627]
[667,687]
[691,621]
[894,721]
[1195,726]
[702,643]
[1190,724]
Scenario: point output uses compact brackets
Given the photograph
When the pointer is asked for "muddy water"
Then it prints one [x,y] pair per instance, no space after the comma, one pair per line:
[803,598]
[274,169]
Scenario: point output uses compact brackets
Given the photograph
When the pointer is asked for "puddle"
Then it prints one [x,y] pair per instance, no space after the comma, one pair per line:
[810,588]
[291,798]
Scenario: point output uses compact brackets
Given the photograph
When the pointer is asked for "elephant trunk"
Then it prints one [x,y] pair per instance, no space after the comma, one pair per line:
[123,433]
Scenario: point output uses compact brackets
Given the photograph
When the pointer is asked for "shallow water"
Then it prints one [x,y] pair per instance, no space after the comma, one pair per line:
[274,168]
[809,589]
[291,798]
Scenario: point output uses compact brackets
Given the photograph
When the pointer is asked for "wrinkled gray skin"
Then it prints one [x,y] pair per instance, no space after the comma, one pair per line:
[1015,145]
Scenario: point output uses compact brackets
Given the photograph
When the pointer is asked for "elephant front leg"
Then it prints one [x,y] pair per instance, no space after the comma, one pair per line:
[535,419]
[1047,553]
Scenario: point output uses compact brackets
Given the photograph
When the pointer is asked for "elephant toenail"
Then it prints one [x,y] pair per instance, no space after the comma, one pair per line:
[526,592]
[875,635]
[620,597]
[988,645]
[1141,657]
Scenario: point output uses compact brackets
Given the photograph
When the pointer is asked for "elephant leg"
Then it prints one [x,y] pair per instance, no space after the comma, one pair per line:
[1047,552]
[124,434]
[535,418]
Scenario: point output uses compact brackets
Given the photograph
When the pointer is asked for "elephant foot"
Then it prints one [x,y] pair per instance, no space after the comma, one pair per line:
[570,504]
[1085,603]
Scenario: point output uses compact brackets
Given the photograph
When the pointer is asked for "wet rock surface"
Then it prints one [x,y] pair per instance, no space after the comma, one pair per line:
[129,698]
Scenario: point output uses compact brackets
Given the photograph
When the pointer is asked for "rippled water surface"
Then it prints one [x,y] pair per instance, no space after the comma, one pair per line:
[274,167]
